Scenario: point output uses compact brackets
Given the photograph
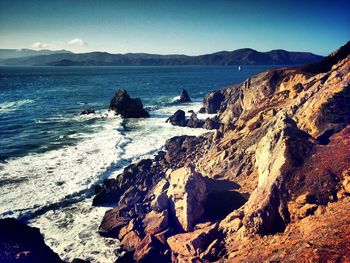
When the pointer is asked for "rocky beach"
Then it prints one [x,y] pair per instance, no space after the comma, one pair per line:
[269,181]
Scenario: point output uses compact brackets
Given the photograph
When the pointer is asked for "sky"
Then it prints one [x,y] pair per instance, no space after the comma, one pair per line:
[189,27]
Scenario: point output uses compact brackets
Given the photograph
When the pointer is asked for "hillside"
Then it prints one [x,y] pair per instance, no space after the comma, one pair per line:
[237,57]
[20,53]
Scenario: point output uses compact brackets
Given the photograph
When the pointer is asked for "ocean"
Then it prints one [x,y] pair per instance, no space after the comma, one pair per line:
[51,157]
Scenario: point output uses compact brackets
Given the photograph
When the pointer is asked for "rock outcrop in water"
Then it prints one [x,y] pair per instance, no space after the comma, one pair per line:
[127,107]
[88,111]
[184,97]
[272,184]
[21,243]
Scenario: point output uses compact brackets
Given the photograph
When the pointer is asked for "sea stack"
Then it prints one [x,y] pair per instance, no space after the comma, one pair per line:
[184,97]
[127,107]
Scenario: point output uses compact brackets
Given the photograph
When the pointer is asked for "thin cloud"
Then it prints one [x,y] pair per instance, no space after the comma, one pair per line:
[77,41]
[40,45]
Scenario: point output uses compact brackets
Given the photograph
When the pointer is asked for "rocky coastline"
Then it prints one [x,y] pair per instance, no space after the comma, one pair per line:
[271,182]
[251,182]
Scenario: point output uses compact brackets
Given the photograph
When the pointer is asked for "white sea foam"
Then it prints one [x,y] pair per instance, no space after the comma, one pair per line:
[9,106]
[72,233]
[50,177]
[71,229]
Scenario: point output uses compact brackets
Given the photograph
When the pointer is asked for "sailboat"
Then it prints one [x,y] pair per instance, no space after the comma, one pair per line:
[239,68]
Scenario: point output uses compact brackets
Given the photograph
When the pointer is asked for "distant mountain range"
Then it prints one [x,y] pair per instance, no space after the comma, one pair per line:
[244,56]
[19,53]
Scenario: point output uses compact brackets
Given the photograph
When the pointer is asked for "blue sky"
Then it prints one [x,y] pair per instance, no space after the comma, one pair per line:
[168,27]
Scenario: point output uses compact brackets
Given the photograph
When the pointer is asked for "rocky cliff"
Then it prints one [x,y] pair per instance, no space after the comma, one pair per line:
[271,184]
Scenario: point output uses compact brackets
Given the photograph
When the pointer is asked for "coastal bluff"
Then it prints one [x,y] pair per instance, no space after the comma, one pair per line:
[271,183]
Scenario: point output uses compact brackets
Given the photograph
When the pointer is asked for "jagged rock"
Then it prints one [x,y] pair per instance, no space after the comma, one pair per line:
[22,243]
[155,222]
[126,229]
[193,244]
[130,241]
[194,122]
[184,97]
[178,118]
[127,107]
[113,221]
[88,111]
[212,102]
[187,194]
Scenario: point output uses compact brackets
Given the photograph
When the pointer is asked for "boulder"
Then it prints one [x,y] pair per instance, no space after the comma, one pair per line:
[88,111]
[178,118]
[194,122]
[184,97]
[187,195]
[113,221]
[22,243]
[130,241]
[155,222]
[194,243]
[127,107]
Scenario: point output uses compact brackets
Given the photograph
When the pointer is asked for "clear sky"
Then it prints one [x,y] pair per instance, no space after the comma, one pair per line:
[180,26]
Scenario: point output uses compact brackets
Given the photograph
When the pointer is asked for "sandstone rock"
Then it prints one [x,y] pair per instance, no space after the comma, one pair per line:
[184,97]
[126,229]
[178,118]
[192,244]
[280,150]
[130,241]
[21,243]
[127,107]
[164,235]
[307,209]
[113,221]
[187,194]
[88,111]
[161,200]
[155,222]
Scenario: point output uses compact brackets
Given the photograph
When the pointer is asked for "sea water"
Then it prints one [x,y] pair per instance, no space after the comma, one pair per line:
[51,157]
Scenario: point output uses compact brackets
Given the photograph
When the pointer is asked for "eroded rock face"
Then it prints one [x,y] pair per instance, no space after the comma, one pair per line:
[127,107]
[212,102]
[21,243]
[282,148]
[187,194]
